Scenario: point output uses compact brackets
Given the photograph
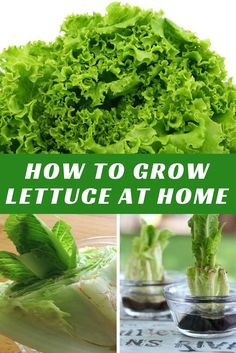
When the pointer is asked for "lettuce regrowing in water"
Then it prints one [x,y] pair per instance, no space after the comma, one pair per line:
[131,81]
[145,262]
[206,278]
[58,298]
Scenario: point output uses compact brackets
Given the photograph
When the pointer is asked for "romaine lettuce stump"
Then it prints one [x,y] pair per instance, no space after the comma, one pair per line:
[206,278]
[146,260]
[208,283]
[145,271]
[59,298]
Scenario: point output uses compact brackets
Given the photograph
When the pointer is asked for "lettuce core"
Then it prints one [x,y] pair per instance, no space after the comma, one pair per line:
[206,278]
[146,259]
[60,298]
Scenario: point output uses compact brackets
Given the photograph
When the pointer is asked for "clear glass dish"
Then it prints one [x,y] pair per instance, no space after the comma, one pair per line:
[98,241]
[203,317]
[85,242]
[145,299]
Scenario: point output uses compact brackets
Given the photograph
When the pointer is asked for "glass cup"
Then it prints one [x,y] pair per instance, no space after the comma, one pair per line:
[203,317]
[144,299]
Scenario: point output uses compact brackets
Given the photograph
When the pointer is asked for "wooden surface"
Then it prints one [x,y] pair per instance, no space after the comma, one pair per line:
[83,227]
[7,346]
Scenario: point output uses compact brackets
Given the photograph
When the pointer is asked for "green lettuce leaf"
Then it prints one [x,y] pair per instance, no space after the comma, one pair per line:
[11,267]
[42,251]
[62,231]
[130,81]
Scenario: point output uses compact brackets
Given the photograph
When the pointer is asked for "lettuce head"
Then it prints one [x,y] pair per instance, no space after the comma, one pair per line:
[131,81]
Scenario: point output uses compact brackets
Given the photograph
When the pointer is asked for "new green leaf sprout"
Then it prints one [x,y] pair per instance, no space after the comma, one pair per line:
[206,278]
[58,298]
[146,261]
[130,81]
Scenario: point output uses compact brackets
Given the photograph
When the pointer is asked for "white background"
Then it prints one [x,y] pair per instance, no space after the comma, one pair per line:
[25,20]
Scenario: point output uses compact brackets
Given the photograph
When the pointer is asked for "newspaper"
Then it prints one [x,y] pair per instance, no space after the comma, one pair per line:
[138,336]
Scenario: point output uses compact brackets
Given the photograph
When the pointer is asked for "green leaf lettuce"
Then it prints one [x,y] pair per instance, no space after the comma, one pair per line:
[130,81]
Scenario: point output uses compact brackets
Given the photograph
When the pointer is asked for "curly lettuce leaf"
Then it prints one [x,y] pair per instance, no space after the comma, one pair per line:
[130,81]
